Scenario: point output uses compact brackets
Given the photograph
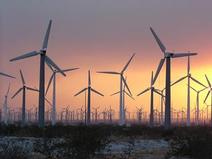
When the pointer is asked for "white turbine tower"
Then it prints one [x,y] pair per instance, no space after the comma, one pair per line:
[167,58]
[5,107]
[89,89]
[24,88]
[53,78]
[197,102]
[122,80]
[162,99]
[43,58]
[123,98]
[153,90]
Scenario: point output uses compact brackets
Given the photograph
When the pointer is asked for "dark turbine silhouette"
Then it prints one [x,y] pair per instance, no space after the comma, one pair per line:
[43,58]
[89,89]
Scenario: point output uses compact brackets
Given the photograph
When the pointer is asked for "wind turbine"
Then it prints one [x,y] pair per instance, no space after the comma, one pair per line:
[89,89]
[152,90]
[53,78]
[189,77]
[167,58]
[4,111]
[197,102]
[23,89]
[123,98]
[122,80]
[43,58]
[162,99]
[209,92]
[5,107]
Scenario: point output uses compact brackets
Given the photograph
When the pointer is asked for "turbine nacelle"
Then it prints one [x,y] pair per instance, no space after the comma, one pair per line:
[168,55]
[43,51]
[89,87]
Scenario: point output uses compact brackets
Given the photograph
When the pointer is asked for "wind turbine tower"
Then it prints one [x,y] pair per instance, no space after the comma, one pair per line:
[43,58]
[122,80]
[152,90]
[89,89]
[167,57]
[53,78]
[5,107]
[23,89]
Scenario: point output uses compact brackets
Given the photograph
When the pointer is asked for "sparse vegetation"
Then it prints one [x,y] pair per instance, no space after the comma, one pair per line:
[82,142]
[9,152]
[193,142]
[61,130]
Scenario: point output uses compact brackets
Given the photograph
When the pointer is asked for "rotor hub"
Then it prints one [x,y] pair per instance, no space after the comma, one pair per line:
[168,54]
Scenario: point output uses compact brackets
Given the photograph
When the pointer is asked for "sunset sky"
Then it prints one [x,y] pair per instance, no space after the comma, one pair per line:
[101,35]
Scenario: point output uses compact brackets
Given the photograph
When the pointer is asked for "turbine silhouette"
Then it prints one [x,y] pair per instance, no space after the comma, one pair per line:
[43,59]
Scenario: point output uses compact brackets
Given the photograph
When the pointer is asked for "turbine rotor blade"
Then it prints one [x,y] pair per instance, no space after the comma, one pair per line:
[125,67]
[207,96]
[158,90]
[152,76]
[125,83]
[197,81]
[176,55]
[194,89]
[32,89]
[46,38]
[48,101]
[30,54]
[71,69]
[97,92]
[144,91]
[50,81]
[158,69]
[50,67]
[203,89]
[159,93]
[115,93]
[129,95]
[179,80]
[89,78]
[80,91]
[51,62]
[8,90]
[109,72]
[162,47]
[6,75]
[208,81]
[17,93]
[22,78]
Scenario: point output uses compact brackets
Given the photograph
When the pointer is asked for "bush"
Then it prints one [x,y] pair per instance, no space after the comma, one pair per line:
[12,152]
[84,142]
[194,142]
